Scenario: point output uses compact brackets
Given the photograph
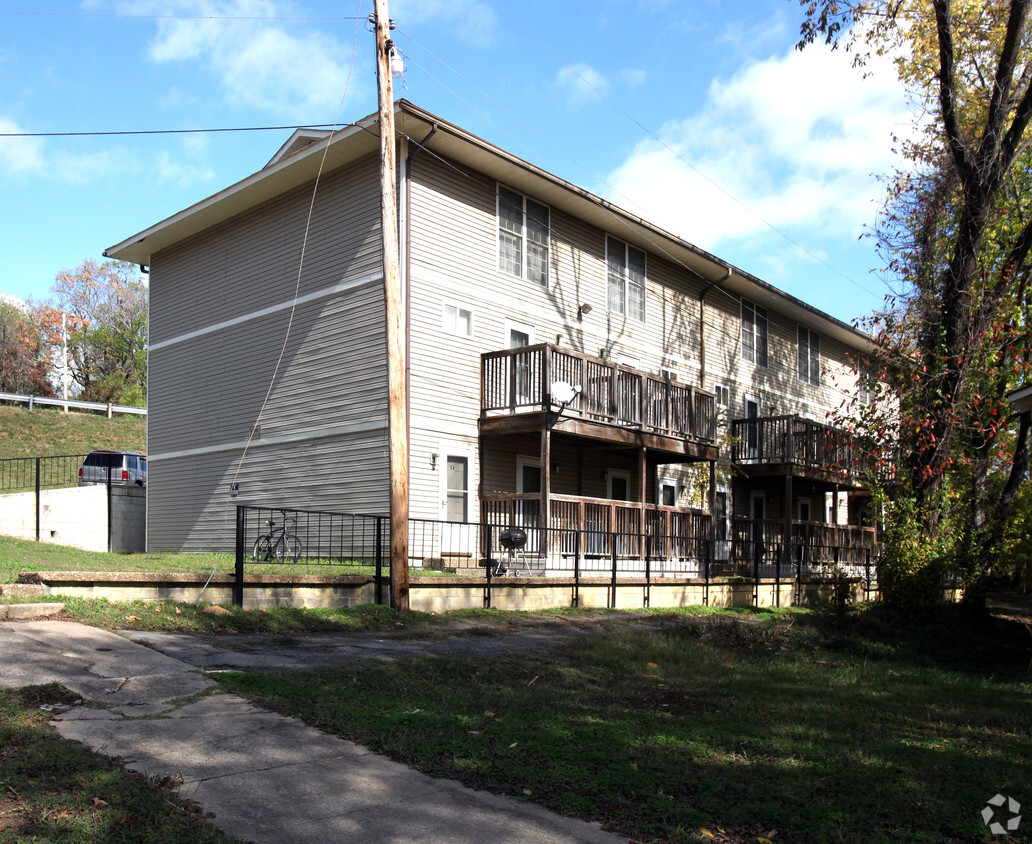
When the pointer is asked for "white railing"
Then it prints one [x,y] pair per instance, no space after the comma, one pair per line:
[78,405]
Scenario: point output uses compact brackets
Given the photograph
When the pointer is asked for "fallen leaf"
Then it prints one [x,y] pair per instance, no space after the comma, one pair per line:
[488,714]
[100,804]
[513,745]
[707,833]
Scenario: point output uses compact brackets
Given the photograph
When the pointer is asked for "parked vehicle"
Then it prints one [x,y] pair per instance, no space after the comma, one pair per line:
[126,468]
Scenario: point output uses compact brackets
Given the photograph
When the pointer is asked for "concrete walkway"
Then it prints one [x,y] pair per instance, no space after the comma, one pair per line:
[265,778]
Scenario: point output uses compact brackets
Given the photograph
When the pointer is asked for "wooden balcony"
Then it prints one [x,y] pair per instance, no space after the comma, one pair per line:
[779,445]
[602,526]
[616,403]
[809,542]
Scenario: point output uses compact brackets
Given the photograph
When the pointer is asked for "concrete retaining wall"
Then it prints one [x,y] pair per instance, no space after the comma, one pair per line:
[437,594]
[78,517]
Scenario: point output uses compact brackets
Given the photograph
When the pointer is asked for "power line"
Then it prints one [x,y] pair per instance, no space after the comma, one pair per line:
[179,17]
[170,131]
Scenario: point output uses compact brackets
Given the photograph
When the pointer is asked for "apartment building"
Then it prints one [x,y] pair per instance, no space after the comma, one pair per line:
[572,367]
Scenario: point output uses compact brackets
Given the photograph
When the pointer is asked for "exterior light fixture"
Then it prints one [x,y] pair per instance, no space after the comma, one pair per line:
[583,311]
[433,459]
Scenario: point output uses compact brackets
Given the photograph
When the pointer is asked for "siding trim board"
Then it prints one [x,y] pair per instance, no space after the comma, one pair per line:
[344,286]
[323,433]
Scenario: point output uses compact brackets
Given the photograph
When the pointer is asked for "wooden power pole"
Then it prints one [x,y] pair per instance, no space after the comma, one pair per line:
[396,351]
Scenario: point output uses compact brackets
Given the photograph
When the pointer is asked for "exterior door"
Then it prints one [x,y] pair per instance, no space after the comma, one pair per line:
[520,375]
[528,512]
[457,535]
[752,429]
[721,525]
[758,533]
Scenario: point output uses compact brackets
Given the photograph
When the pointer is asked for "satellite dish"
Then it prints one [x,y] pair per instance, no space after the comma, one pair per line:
[563,393]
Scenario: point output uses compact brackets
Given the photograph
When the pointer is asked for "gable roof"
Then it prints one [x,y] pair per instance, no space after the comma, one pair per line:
[299,159]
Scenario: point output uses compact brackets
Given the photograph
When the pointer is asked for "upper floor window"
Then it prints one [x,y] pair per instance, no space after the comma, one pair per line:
[626,271]
[458,320]
[866,385]
[723,397]
[754,333]
[809,357]
[522,236]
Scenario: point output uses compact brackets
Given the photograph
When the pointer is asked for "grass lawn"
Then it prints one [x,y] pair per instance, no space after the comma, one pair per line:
[787,729]
[49,431]
[27,555]
[57,790]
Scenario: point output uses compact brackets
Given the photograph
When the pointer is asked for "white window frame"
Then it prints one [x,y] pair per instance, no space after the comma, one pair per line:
[755,330]
[529,211]
[620,283]
[801,502]
[451,322]
[668,483]
[723,392]
[752,449]
[808,356]
[618,473]
[668,373]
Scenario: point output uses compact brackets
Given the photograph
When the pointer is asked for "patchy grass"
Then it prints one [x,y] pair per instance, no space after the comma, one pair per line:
[49,431]
[57,790]
[791,728]
[26,555]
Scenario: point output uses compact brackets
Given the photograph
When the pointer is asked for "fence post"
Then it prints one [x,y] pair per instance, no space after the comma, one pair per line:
[648,571]
[37,500]
[379,560]
[612,553]
[757,553]
[576,567]
[238,577]
[867,569]
[707,554]
[109,509]
[490,566]
[782,550]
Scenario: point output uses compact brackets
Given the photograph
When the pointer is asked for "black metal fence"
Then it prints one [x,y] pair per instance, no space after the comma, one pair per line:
[360,544]
[352,543]
[34,475]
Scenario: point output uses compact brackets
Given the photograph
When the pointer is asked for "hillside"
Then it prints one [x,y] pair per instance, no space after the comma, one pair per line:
[40,433]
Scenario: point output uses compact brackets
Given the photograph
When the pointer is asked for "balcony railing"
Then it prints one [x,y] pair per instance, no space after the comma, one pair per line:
[809,542]
[519,380]
[797,441]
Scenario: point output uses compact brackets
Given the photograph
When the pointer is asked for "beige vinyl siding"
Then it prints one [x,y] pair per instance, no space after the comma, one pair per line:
[213,355]
[190,509]
[250,262]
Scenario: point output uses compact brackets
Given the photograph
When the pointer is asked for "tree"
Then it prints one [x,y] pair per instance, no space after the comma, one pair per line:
[24,353]
[105,313]
[957,230]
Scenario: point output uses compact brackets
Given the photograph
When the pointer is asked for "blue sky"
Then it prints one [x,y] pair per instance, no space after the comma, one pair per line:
[699,116]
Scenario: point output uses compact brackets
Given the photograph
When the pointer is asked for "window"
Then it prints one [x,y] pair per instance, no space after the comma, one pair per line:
[866,386]
[667,373]
[668,492]
[522,237]
[754,334]
[626,272]
[809,357]
[723,397]
[458,320]
[618,485]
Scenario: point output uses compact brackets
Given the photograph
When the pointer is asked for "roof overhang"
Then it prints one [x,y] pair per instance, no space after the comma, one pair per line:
[300,159]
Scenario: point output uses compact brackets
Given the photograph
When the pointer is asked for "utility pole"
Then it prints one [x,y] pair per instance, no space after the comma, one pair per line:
[397,414]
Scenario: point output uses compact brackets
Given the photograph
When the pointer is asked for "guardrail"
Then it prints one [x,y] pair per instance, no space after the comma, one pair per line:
[73,403]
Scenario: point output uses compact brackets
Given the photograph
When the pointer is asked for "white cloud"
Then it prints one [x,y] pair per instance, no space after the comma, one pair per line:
[179,173]
[580,83]
[275,66]
[19,156]
[473,20]
[796,138]
[633,78]
[35,158]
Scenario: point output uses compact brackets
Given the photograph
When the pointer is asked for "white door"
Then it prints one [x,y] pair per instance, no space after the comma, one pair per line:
[457,535]
[752,429]
[528,479]
[520,375]
[722,526]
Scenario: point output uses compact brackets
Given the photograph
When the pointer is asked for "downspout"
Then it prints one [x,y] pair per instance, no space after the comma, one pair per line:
[407,269]
[702,323]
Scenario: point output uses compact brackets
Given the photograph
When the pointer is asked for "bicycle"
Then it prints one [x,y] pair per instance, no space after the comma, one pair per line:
[277,542]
